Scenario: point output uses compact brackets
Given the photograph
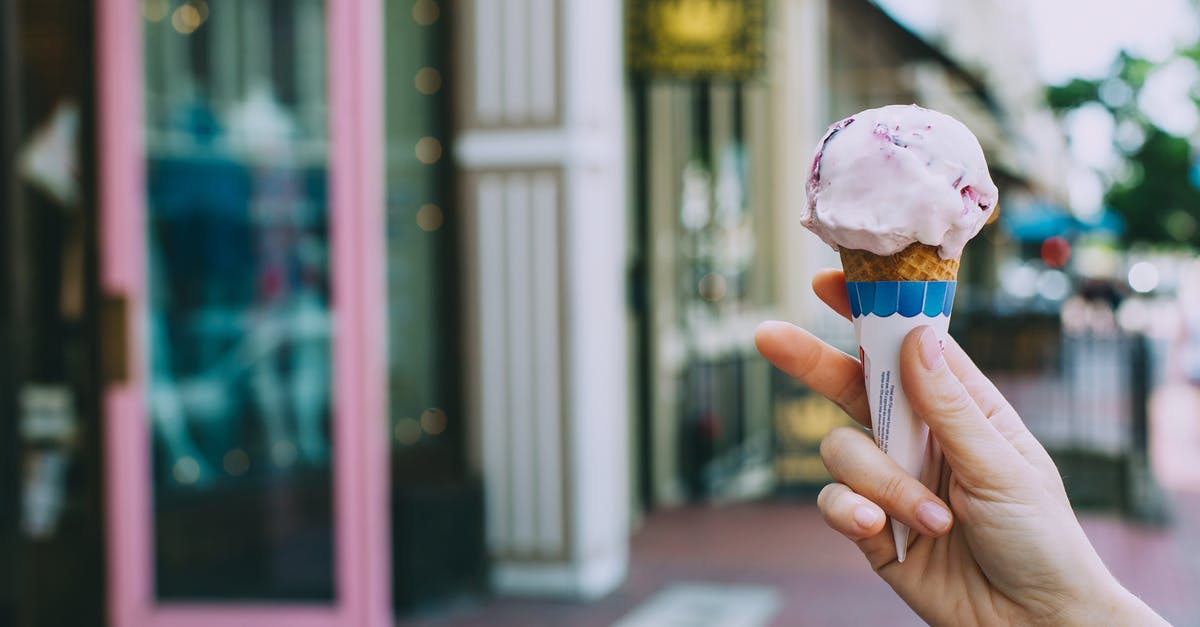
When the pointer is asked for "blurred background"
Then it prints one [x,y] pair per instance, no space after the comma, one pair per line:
[440,312]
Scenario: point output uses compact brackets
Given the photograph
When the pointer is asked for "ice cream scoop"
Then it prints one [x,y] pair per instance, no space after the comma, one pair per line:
[898,191]
[887,178]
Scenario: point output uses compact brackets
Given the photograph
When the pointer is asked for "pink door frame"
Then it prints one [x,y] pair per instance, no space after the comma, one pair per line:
[362,530]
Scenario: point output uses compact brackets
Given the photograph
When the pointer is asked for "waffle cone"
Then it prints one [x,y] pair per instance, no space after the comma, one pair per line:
[919,262]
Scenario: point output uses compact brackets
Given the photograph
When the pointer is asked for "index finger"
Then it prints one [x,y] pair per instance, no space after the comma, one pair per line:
[827,370]
[830,287]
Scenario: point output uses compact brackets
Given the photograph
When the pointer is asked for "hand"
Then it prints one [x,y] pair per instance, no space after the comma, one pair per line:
[995,541]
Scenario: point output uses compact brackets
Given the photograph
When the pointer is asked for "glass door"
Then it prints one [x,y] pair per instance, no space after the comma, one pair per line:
[705,230]
[242,263]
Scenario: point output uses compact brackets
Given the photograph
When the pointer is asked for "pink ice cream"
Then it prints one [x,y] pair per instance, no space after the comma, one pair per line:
[886,178]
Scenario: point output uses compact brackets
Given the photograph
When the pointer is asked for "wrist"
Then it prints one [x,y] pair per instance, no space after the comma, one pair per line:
[1110,604]
[1132,610]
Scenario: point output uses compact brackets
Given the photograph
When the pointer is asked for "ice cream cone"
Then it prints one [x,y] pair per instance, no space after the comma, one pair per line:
[918,262]
[888,179]
[889,297]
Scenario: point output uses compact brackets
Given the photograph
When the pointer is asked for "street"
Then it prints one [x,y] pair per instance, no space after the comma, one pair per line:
[818,578]
[776,563]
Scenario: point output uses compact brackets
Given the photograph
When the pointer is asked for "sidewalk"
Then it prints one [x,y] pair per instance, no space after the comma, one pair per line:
[821,579]
[816,577]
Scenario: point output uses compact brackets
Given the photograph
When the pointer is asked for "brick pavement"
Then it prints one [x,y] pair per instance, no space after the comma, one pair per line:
[823,579]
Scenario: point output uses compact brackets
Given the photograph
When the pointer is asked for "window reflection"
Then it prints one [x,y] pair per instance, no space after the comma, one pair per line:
[238,308]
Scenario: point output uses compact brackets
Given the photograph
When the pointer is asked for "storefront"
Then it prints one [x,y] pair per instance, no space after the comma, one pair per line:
[280,236]
[338,343]
[352,308]
[199,336]
[51,477]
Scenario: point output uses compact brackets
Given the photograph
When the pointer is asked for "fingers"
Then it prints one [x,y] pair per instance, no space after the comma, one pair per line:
[828,371]
[854,460]
[830,287]
[981,388]
[975,449]
[848,513]
[860,520]
[999,411]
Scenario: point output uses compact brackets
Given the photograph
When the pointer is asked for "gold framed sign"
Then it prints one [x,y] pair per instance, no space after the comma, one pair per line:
[696,38]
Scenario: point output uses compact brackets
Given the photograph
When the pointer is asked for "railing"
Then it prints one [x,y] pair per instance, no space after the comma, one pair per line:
[1075,392]
[1083,395]
[725,437]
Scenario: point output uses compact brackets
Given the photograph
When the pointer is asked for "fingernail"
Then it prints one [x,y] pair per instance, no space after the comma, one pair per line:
[866,517]
[931,350]
[768,325]
[933,516]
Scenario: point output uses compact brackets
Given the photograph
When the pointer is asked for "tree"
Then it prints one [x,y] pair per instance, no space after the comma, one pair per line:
[1155,188]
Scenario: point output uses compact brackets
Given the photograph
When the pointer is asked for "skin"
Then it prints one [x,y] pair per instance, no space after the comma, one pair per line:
[996,540]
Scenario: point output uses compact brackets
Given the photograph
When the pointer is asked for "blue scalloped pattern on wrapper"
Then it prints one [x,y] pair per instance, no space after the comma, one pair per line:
[904,298]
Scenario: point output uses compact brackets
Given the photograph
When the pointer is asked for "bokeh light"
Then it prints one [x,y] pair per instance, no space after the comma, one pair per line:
[1133,315]
[1019,280]
[1053,285]
[428,150]
[155,10]
[425,12]
[430,218]
[428,81]
[712,287]
[186,19]
[1056,252]
[186,470]
[236,462]
[283,454]
[1143,277]
[433,421]
[407,431]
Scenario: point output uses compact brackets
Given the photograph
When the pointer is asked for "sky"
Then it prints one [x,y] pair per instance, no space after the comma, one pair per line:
[1079,38]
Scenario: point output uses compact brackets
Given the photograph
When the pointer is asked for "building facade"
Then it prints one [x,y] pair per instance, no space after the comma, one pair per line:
[350,309]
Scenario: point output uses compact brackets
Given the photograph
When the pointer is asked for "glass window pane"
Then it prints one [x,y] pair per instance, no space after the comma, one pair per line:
[427,426]
[708,254]
[436,504]
[239,330]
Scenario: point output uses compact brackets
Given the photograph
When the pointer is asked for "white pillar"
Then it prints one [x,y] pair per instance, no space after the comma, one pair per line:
[800,71]
[540,147]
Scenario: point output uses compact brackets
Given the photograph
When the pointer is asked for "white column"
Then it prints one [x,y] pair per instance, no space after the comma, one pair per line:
[540,145]
[800,69]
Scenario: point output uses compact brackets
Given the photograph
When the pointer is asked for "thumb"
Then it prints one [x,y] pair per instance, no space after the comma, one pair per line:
[979,454]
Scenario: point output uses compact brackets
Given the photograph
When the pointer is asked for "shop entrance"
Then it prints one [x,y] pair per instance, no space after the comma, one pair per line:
[242,275]
[230,391]
[703,194]
[51,523]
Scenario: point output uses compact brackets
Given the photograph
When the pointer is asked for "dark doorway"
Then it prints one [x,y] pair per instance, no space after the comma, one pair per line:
[51,522]
[702,225]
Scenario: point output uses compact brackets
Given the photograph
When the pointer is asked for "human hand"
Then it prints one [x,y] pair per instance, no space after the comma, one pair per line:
[1007,549]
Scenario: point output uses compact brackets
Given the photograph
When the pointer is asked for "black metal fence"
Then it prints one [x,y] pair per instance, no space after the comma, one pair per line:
[1077,392]
[1085,397]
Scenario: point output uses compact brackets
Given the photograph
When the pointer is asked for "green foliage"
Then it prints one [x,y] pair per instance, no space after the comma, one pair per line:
[1157,202]
[1073,95]
[1155,193]
[1133,70]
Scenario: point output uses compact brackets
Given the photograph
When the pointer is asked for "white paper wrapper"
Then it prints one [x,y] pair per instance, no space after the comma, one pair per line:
[884,313]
